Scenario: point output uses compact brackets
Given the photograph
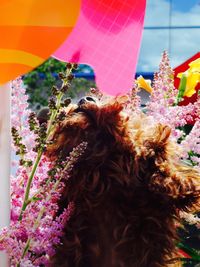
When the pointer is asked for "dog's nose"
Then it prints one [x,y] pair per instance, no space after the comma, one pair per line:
[85,100]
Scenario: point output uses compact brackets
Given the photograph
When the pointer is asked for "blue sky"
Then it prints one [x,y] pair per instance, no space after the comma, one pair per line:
[184,5]
[181,44]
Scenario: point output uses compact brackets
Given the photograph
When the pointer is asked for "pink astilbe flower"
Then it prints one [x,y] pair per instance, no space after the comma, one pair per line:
[10,243]
[164,93]
[162,105]
[39,230]
[26,263]
[50,233]
[20,113]
[39,223]
[192,143]
[134,100]
[174,116]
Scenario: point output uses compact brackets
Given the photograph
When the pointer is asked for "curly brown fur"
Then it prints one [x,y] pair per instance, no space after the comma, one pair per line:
[128,189]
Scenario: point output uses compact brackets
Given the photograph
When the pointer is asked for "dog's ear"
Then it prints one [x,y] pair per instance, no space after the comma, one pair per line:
[152,141]
[166,175]
[179,184]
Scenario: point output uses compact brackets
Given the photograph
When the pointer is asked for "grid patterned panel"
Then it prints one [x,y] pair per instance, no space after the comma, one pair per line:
[107,37]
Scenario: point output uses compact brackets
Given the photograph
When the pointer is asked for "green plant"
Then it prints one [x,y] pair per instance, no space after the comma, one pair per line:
[39,81]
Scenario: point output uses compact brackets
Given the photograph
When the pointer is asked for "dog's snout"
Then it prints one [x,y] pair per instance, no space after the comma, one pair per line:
[81,101]
[90,99]
[85,100]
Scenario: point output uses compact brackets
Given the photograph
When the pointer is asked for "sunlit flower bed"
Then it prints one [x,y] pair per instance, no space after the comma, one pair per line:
[36,184]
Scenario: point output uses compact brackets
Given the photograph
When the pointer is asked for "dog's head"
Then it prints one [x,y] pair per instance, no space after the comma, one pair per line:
[101,125]
[111,133]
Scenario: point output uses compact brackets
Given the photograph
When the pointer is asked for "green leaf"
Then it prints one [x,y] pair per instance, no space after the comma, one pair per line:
[182,87]
[34,199]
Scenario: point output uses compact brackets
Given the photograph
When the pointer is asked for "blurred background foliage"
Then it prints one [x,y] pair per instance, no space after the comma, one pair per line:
[39,82]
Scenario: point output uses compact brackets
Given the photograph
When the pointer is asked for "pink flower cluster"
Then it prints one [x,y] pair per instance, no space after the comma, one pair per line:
[31,241]
[20,113]
[164,109]
[164,92]
[134,100]
[192,143]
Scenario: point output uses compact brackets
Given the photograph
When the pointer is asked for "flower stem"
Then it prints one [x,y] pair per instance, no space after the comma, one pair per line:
[25,250]
[28,186]
[67,167]
[40,214]
[38,158]
[28,200]
[53,114]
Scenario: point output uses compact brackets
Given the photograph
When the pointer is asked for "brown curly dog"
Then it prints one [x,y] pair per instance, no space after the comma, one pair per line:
[128,188]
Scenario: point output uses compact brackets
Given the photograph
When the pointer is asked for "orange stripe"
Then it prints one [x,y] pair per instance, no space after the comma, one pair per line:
[59,13]
[41,41]
[20,57]
[11,71]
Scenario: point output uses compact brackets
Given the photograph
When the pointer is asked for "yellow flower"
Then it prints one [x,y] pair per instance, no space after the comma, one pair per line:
[193,77]
[195,65]
[142,83]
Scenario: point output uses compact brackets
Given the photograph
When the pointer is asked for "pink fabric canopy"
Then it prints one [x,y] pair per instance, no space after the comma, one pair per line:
[107,36]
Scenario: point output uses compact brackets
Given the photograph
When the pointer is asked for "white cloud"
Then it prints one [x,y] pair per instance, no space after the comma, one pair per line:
[157,13]
[189,18]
